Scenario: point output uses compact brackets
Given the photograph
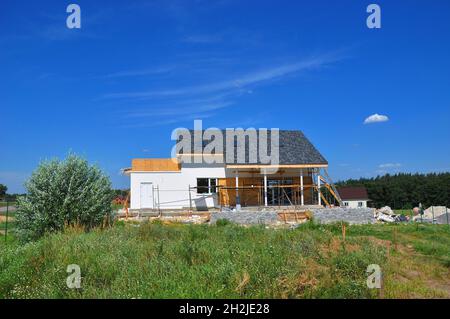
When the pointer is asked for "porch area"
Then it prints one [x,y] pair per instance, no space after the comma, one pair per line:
[288,187]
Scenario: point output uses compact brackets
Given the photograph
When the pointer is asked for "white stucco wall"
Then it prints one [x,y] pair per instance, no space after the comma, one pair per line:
[354,203]
[173,186]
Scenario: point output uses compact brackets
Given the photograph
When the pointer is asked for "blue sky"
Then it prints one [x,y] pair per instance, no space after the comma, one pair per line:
[116,88]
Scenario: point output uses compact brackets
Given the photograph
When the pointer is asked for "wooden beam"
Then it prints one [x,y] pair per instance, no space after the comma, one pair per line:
[324,199]
[276,166]
[328,186]
[155,165]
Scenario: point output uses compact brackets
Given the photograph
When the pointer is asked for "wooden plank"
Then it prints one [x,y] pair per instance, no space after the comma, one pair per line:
[324,199]
[155,165]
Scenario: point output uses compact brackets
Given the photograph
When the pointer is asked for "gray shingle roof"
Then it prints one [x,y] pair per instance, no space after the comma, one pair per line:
[294,148]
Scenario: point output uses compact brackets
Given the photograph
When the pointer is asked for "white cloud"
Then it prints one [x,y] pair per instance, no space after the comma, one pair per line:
[202,39]
[390,165]
[204,99]
[376,118]
[237,83]
[156,71]
[181,110]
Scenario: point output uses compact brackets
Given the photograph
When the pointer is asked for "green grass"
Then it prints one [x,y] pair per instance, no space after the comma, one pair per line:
[10,235]
[152,260]
[11,224]
[10,214]
[430,240]
[405,212]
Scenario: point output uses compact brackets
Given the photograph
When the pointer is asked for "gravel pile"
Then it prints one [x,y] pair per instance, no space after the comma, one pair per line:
[246,218]
[443,219]
[435,211]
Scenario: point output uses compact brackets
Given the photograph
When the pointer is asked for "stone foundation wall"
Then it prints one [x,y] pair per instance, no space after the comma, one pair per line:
[323,215]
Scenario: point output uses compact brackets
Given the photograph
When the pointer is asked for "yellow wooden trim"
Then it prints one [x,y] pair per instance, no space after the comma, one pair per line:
[155,165]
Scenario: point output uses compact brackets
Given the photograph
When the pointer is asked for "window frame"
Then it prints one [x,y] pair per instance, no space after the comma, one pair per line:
[208,192]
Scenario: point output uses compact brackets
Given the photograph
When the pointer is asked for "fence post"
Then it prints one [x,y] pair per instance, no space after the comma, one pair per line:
[159,204]
[153,197]
[6,222]
[190,200]
[421,212]
[446,213]
[432,212]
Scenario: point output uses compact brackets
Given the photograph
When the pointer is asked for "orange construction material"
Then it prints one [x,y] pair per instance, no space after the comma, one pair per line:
[155,165]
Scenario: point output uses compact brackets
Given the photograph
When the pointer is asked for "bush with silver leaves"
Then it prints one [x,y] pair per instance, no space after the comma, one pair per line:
[60,193]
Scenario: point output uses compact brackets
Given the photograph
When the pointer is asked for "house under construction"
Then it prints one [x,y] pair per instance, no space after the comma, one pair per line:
[299,178]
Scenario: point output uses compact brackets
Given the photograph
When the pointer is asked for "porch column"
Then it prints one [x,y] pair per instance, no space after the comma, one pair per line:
[265,188]
[238,200]
[318,188]
[302,188]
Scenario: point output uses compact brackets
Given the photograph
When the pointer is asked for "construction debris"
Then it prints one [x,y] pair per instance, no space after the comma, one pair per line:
[385,210]
[434,214]
[435,211]
[387,215]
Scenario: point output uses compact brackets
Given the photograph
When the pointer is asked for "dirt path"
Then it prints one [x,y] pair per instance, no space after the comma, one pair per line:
[411,272]
[3,218]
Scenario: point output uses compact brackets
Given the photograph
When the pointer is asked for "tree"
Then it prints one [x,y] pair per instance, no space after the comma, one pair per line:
[3,190]
[60,193]
[406,190]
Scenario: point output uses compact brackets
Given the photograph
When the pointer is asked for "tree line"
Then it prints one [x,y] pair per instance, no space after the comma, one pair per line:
[405,191]
[3,190]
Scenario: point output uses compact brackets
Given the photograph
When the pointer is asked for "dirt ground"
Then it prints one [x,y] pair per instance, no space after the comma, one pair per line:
[3,218]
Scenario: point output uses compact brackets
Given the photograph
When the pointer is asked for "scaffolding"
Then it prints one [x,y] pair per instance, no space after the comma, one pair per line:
[283,191]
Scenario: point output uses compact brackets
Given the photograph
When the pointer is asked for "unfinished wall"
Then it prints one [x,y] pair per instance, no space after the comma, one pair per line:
[255,196]
[174,185]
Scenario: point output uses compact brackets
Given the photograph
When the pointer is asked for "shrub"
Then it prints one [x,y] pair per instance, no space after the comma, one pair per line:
[59,193]
[222,222]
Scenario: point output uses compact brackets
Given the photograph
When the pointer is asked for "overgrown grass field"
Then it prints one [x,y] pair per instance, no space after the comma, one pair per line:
[152,260]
